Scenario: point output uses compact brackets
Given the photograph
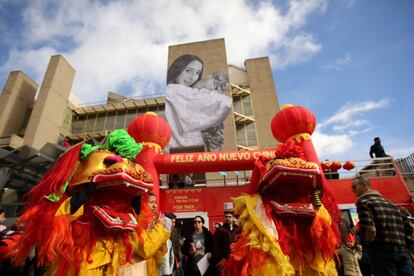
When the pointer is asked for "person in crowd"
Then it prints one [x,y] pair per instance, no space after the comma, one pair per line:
[377,149]
[166,266]
[224,237]
[196,107]
[382,231]
[188,180]
[152,239]
[349,252]
[4,230]
[216,226]
[196,245]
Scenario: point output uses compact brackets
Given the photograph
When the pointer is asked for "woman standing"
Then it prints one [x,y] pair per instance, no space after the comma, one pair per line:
[196,245]
[195,105]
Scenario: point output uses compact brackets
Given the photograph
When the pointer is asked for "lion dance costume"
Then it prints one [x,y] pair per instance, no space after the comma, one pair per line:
[85,218]
[289,218]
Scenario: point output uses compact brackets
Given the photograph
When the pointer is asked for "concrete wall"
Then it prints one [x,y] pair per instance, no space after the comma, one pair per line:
[15,103]
[264,99]
[49,110]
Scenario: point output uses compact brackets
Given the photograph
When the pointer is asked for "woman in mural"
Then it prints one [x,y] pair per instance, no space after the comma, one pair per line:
[196,107]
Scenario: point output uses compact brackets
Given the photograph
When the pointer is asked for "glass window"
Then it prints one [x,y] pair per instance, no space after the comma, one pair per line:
[247,105]
[100,122]
[120,119]
[131,115]
[110,120]
[251,134]
[241,135]
[78,124]
[90,122]
[237,106]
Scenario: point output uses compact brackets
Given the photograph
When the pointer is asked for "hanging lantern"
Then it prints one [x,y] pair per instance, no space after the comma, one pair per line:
[293,121]
[348,165]
[336,165]
[150,129]
[325,165]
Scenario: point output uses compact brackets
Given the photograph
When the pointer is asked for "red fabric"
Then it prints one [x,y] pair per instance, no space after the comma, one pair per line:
[289,149]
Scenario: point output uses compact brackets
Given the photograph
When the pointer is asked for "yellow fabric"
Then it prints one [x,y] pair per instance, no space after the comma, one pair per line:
[259,237]
[276,262]
[153,248]
[109,255]
[64,209]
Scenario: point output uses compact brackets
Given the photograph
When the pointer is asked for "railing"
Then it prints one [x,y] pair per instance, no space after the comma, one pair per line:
[228,180]
[373,167]
[406,165]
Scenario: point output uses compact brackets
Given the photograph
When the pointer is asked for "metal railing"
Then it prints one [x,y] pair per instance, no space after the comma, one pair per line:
[373,167]
[406,165]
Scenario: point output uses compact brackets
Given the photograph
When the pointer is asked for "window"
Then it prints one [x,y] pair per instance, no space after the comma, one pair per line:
[120,119]
[100,121]
[246,134]
[90,122]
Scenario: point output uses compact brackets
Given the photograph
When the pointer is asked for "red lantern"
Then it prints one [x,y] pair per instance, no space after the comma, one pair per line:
[291,121]
[336,165]
[325,165]
[348,165]
[150,128]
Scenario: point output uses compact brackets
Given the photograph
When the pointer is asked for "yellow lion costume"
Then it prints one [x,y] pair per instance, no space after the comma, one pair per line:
[289,219]
[85,217]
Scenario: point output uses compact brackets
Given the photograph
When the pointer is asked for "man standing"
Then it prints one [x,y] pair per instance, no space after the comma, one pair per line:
[377,149]
[223,237]
[383,231]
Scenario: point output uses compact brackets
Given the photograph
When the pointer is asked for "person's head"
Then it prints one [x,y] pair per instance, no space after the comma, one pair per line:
[172,217]
[360,184]
[185,70]
[2,216]
[377,140]
[198,222]
[217,225]
[228,217]
[152,202]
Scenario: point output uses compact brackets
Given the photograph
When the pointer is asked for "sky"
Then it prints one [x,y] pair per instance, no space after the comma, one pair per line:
[349,61]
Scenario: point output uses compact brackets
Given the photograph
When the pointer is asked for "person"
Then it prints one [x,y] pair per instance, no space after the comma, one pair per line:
[188,180]
[4,230]
[382,230]
[166,266]
[196,107]
[224,237]
[377,149]
[217,225]
[152,240]
[196,245]
[348,251]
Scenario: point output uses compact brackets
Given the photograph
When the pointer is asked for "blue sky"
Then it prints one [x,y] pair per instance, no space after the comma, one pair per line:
[349,61]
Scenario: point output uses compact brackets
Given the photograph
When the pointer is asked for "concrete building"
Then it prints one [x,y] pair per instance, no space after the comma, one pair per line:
[34,129]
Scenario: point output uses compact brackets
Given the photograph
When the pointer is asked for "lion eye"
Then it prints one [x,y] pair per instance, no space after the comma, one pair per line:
[110,160]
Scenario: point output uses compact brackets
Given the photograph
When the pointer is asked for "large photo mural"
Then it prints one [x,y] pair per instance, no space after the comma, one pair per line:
[196,104]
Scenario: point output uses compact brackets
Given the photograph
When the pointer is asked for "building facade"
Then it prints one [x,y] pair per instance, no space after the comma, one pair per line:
[55,118]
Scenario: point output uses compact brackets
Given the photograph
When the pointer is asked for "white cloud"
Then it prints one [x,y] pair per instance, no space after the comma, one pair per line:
[339,63]
[328,145]
[334,135]
[348,113]
[123,44]
[401,152]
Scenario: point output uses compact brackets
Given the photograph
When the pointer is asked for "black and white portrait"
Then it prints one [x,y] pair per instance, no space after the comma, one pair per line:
[196,105]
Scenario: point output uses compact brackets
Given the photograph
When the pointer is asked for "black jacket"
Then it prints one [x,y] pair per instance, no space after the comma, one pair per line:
[188,258]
